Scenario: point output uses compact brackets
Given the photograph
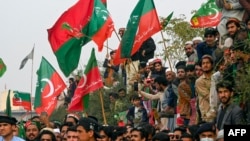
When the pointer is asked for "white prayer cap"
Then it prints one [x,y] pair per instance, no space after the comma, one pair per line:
[197,38]
[168,69]
[151,60]
[189,43]
[57,130]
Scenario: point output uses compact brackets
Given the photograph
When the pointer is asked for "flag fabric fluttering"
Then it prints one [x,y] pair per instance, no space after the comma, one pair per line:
[49,86]
[2,67]
[29,56]
[165,21]
[8,105]
[85,21]
[143,23]
[22,99]
[207,16]
[89,82]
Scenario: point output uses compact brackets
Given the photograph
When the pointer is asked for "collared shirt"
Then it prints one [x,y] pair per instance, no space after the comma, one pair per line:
[15,138]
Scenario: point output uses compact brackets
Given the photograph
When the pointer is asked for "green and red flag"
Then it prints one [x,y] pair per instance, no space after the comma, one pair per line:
[143,23]
[2,67]
[49,86]
[207,16]
[89,82]
[85,21]
[104,2]
[22,99]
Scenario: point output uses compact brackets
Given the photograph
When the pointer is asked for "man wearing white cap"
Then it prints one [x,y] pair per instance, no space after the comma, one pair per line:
[196,41]
[190,52]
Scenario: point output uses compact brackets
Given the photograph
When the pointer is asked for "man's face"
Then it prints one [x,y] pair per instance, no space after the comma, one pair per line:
[190,73]
[198,70]
[83,135]
[72,136]
[169,76]
[103,136]
[207,134]
[71,119]
[232,29]
[210,39]
[175,136]
[206,65]
[224,95]
[136,136]
[189,49]
[181,74]
[157,66]
[195,43]
[31,132]
[64,130]
[122,93]
[6,129]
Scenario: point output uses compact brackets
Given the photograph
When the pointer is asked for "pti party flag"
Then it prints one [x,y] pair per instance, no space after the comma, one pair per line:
[2,67]
[49,86]
[89,82]
[85,21]
[29,56]
[166,20]
[143,23]
[22,99]
[208,15]
[104,2]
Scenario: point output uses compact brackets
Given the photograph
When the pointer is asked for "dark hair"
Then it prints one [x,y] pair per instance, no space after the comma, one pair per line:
[71,128]
[148,128]
[53,137]
[224,84]
[122,89]
[161,136]
[161,80]
[118,131]
[69,124]
[209,57]
[108,130]
[186,135]
[113,94]
[182,129]
[142,131]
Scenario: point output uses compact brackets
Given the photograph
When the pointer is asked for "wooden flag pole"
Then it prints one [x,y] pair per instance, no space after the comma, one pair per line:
[32,64]
[167,55]
[103,112]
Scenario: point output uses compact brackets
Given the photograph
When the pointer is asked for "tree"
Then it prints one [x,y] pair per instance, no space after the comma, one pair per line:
[177,32]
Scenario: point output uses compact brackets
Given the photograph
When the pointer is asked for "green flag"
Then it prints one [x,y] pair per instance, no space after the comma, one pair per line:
[8,105]
[85,21]
[2,67]
[166,20]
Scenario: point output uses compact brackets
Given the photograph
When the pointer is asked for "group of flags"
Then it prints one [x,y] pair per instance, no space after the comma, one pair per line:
[85,21]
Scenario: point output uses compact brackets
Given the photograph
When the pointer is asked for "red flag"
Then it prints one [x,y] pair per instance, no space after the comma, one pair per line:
[143,23]
[208,15]
[90,81]
[85,21]
[22,99]
[49,86]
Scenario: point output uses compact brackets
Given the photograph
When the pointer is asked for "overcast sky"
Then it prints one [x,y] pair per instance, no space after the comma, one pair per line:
[25,23]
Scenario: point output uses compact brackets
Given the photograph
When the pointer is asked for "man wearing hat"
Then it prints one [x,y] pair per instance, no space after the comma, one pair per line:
[7,127]
[190,52]
[209,45]
[87,129]
[32,129]
[206,132]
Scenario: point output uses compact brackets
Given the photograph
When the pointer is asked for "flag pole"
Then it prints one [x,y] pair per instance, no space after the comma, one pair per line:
[32,64]
[103,112]
[167,55]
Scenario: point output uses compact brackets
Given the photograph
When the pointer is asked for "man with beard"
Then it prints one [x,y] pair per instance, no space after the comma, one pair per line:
[190,52]
[202,87]
[32,129]
[228,112]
